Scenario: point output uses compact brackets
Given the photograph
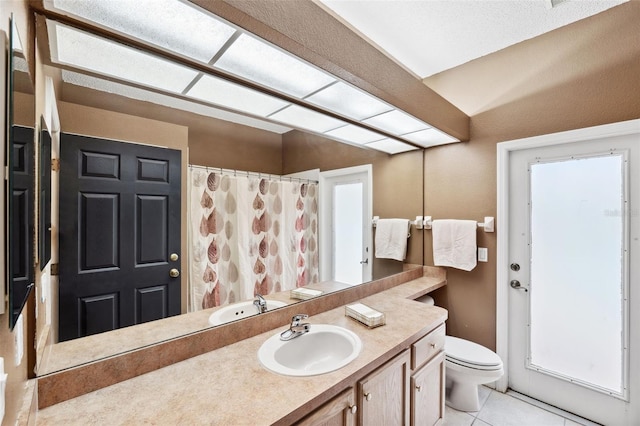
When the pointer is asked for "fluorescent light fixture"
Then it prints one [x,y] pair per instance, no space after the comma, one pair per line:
[168,101]
[259,62]
[354,134]
[170,24]
[396,122]
[300,117]
[429,137]
[348,101]
[221,92]
[88,52]
[391,146]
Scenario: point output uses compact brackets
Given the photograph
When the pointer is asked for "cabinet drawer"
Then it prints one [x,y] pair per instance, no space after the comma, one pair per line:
[424,349]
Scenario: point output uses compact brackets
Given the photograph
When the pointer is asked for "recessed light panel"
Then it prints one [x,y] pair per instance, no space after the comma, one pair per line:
[348,101]
[429,137]
[259,62]
[396,122]
[355,134]
[304,118]
[85,51]
[391,146]
[230,95]
[170,24]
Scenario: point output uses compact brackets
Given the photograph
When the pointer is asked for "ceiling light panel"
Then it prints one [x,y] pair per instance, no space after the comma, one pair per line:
[396,122]
[348,101]
[85,51]
[391,146]
[170,24]
[429,137]
[230,95]
[304,118]
[354,134]
[259,62]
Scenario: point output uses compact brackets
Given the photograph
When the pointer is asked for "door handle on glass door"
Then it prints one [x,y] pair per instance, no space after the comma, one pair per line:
[516,284]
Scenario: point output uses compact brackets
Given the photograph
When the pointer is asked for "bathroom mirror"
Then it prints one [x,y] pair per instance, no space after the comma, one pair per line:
[20,179]
[220,143]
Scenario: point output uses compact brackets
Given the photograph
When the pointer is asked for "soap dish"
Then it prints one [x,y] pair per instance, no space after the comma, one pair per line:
[304,293]
[366,315]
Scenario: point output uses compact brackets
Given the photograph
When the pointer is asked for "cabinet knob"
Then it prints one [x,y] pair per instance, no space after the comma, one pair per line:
[419,388]
[433,345]
[368,396]
[174,273]
[353,409]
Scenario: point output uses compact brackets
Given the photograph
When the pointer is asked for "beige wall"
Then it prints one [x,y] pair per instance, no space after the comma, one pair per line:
[581,75]
[397,182]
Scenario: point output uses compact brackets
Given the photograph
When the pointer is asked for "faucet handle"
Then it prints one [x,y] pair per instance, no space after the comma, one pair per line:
[295,320]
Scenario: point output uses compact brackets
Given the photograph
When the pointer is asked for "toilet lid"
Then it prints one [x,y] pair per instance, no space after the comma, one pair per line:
[470,353]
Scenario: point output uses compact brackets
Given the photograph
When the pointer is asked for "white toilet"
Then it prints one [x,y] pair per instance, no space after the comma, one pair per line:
[468,365]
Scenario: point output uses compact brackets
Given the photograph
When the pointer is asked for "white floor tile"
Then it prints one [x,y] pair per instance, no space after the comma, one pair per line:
[504,410]
[456,418]
[478,422]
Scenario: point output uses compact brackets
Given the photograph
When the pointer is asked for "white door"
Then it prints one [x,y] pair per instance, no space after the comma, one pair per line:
[345,225]
[573,276]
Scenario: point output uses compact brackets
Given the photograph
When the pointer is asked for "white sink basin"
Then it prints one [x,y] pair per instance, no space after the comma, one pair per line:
[323,349]
[240,310]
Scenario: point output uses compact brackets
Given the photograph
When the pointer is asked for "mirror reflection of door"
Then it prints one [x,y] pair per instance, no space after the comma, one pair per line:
[119,227]
[346,225]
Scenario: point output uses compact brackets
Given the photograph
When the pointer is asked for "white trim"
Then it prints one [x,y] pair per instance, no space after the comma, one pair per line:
[504,150]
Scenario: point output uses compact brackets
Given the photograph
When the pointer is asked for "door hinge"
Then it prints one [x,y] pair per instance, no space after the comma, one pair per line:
[55,269]
[55,164]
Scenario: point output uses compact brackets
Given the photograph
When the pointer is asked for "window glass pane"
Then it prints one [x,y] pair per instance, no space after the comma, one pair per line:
[347,233]
[577,260]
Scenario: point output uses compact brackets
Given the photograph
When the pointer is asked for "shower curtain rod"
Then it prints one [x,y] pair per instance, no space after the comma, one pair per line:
[259,175]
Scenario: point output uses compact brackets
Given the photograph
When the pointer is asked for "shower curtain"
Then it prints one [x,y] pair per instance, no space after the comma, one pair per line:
[249,235]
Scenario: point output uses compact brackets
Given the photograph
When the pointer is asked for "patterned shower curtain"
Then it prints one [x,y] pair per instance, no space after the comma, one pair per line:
[249,235]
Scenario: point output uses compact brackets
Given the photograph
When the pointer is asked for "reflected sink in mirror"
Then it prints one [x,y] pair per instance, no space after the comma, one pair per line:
[323,349]
[240,310]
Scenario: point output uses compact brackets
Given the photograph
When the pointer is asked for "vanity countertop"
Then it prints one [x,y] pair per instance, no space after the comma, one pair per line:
[228,386]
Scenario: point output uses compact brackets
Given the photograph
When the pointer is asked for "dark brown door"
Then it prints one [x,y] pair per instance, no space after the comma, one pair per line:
[119,226]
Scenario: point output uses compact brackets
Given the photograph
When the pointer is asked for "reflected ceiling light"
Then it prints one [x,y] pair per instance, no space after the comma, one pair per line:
[230,95]
[354,134]
[173,102]
[102,56]
[348,101]
[307,119]
[429,137]
[391,146]
[170,24]
[396,122]
[264,64]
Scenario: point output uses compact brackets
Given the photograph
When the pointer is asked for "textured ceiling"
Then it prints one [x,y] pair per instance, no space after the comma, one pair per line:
[431,36]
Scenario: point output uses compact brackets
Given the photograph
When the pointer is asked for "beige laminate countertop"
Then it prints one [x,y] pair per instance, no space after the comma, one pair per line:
[228,386]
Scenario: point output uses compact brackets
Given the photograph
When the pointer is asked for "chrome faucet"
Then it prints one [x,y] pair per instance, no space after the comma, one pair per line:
[260,303]
[296,329]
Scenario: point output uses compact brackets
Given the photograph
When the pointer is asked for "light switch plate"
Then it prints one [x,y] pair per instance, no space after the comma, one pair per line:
[483,254]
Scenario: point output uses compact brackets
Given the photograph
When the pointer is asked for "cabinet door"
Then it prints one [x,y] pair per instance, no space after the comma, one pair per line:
[427,393]
[340,411]
[383,396]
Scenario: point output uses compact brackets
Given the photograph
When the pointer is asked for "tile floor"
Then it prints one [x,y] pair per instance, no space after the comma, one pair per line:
[511,409]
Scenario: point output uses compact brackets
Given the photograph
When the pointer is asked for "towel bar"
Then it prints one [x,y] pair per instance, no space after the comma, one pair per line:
[488,225]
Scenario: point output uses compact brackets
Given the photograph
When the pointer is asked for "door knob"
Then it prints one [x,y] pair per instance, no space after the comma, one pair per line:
[364,262]
[515,267]
[174,273]
[516,284]
[174,256]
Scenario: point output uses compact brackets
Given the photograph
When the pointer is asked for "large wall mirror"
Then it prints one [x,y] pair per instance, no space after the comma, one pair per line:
[214,145]
[20,180]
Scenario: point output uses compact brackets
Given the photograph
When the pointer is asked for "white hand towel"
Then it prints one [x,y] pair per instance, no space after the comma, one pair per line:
[391,238]
[454,243]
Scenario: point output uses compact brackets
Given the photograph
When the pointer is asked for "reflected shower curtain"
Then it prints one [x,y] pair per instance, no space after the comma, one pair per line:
[249,235]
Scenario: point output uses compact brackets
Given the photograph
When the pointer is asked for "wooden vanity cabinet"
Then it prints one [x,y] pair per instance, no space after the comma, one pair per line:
[428,379]
[340,411]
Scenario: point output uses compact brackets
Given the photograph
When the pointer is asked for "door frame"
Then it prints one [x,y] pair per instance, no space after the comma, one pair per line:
[504,150]
[325,216]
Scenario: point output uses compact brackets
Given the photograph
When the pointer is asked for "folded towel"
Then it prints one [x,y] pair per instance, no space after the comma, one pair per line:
[454,243]
[391,238]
